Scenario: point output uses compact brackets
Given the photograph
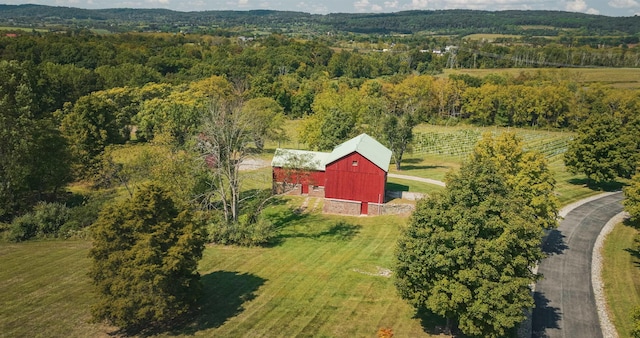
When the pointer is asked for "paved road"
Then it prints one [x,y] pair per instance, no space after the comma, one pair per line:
[565,304]
[419,179]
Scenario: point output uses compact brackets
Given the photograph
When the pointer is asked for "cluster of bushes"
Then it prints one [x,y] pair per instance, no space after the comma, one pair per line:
[247,231]
[56,220]
[46,220]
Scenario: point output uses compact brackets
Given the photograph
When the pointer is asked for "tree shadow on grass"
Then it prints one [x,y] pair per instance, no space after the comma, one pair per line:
[432,323]
[223,297]
[603,186]
[396,187]
[294,223]
[544,316]
[553,243]
[225,293]
[634,251]
[413,163]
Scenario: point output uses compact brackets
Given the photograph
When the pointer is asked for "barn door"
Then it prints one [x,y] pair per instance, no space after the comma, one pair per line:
[305,188]
[364,208]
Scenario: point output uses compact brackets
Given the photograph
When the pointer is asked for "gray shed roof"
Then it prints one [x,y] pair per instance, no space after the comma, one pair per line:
[366,146]
[301,159]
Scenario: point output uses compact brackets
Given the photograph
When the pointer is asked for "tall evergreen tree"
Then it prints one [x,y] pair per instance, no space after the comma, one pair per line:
[144,261]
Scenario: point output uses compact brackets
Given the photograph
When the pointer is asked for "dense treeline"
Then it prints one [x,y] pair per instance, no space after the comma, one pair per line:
[407,22]
[77,94]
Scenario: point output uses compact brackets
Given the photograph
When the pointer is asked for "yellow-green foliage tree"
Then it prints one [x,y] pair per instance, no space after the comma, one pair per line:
[338,115]
[468,251]
[144,262]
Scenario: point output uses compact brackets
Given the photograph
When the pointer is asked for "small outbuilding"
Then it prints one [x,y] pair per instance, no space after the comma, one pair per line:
[351,178]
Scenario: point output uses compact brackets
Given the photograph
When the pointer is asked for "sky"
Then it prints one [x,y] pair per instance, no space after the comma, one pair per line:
[602,7]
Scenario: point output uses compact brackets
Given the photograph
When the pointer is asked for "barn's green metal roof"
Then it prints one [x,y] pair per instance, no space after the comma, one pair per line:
[300,159]
[366,146]
[363,144]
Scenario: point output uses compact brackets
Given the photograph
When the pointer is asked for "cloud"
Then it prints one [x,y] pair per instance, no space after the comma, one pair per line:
[623,3]
[243,3]
[376,8]
[418,4]
[593,11]
[576,6]
[391,4]
[312,8]
[361,5]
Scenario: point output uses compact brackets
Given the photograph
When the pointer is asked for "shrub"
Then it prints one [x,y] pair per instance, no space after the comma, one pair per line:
[50,217]
[245,232]
[44,220]
[23,228]
[635,316]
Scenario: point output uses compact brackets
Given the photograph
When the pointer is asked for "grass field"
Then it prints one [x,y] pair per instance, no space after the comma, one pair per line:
[621,276]
[326,276]
[22,29]
[45,290]
[490,37]
[615,77]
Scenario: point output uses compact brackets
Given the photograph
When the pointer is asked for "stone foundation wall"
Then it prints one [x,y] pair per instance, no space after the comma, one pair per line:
[278,188]
[406,195]
[343,207]
[390,209]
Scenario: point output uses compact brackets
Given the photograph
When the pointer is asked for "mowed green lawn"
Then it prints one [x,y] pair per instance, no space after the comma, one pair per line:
[621,276]
[44,290]
[325,276]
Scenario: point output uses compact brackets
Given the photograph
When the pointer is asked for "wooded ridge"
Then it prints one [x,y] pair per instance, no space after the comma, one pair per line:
[405,22]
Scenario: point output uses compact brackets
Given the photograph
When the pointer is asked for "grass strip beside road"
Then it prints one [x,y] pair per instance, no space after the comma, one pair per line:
[621,276]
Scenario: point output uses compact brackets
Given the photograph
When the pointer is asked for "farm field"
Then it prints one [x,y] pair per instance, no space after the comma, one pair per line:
[621,276]
[437,150]
[615,77]
[489,37]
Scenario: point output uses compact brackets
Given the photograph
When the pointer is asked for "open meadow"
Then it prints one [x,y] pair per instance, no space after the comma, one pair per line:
[323,276]
[614,77]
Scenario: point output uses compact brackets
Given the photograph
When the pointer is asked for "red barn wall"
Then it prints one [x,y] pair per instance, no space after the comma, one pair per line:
[364,182]
[304,177]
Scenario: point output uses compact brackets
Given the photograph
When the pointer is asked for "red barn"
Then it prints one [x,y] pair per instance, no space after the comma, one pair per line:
[298,170]
[350,177]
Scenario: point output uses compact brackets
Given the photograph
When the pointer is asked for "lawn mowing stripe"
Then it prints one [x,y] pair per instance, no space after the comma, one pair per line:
[37,299]
[261,302]
[341,275]
[365,281]
[298,286]
[343,261]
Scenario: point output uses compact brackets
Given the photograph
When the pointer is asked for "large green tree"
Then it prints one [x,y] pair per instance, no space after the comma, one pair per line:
[144,261]
[605,147]
[632,198]
[33,154]
[467,253]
